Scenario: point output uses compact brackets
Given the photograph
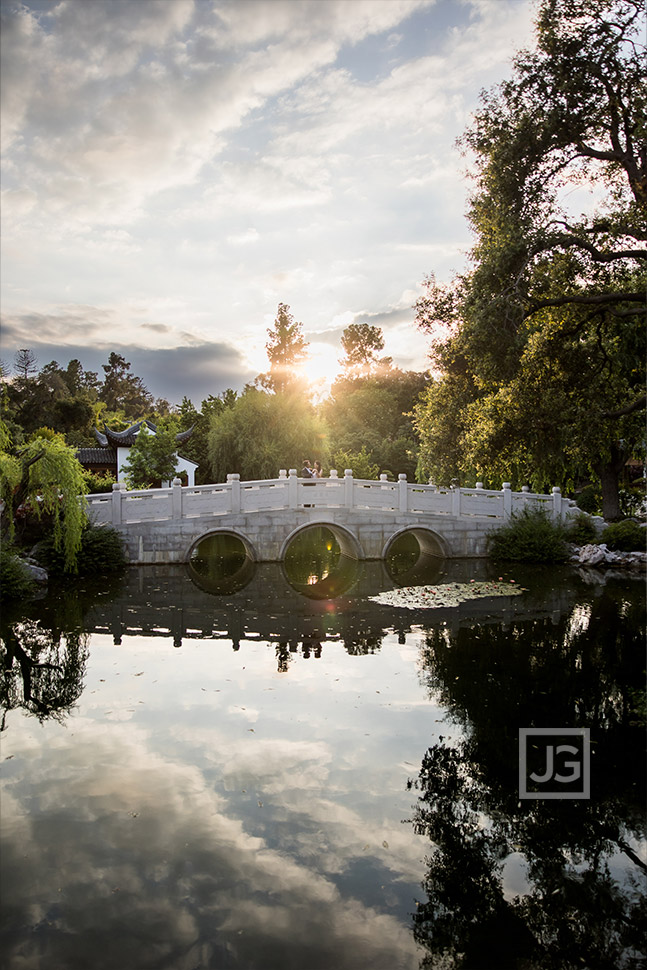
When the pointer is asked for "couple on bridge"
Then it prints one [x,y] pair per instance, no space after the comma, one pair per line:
[311,472]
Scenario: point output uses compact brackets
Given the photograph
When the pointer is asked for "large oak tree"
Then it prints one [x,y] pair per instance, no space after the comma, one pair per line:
[540,365]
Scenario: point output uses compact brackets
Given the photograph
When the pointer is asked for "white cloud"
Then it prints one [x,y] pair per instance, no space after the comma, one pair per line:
[224,157]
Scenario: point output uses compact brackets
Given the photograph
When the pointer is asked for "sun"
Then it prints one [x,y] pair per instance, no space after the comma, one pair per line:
[321,368]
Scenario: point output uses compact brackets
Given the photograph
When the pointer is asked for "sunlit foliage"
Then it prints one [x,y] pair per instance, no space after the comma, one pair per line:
[539,349]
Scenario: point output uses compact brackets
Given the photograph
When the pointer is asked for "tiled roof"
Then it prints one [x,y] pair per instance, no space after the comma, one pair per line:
[97,456]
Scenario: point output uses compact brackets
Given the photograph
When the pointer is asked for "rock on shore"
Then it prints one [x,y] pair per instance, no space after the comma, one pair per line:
[600,556]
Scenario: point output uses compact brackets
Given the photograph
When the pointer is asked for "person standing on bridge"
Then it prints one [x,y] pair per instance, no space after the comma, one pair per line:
[317,471]
[306,471]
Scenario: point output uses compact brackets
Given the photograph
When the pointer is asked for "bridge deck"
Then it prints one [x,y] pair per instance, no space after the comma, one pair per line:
[164,524]
[123,508]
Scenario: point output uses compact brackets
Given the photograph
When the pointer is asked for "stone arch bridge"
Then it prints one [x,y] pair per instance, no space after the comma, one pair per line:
[164,525]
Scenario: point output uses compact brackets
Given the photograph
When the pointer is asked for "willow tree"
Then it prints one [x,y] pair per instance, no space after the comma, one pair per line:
[44,477]
[262,433]
[543,368]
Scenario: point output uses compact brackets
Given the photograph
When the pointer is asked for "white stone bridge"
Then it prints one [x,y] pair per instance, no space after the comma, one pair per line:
[365,517]
[164,525]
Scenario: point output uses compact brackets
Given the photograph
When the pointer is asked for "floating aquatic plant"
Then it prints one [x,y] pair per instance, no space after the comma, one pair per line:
[446,594]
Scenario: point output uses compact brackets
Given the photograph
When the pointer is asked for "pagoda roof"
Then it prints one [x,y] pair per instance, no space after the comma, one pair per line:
[127,438]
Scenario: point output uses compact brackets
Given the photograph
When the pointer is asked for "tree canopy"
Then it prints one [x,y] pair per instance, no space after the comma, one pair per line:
[121,389]
[262,433]
[540,359]
[153,457]
[374,412]
[361,343]
[286,351]
[197,447]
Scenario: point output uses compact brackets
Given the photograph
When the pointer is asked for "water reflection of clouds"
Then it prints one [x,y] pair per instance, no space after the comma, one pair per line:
[137,853]
[181,839]
[305,784]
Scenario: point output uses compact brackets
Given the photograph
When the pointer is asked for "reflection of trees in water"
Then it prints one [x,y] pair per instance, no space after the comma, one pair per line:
[580,909]
[44,648]
[42,670]
[311,556]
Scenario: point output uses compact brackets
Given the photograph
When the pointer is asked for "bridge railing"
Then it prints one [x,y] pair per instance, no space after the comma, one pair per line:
[122,508]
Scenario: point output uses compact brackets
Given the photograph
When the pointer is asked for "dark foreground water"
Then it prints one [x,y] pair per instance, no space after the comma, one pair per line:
[262,768]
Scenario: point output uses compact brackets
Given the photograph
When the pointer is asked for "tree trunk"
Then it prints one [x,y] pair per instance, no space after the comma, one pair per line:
[609,472]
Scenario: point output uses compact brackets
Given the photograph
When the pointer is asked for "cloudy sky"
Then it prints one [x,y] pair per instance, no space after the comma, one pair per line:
[173,169]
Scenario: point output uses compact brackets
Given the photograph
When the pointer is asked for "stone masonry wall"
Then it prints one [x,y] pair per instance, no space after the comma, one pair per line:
[267,533]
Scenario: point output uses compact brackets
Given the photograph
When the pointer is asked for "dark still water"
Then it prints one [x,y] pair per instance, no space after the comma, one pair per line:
[229,766]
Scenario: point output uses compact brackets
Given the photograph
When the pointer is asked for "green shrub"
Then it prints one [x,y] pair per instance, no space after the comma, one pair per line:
[627,536]
[529,537]
[590,500]
[358,461]
[581,530]
[633,499]
[96,483]
[101,552]
[15,581]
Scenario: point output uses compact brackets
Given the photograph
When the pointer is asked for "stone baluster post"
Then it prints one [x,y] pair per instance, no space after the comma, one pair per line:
[456,501]
[293,489]
[507,500]
[234,480]
[557,504]
[176,498]
[118,489]
[404,494]
[348,488]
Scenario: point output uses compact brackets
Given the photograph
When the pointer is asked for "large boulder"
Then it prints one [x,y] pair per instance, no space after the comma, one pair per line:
[36,572]
[592,555]
[600,555]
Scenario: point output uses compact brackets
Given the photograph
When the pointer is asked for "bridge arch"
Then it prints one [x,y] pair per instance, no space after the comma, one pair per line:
[349,544]
[221,570]
[250,551]
[430,543]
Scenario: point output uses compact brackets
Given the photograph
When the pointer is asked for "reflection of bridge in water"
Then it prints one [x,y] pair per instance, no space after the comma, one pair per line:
[162,601]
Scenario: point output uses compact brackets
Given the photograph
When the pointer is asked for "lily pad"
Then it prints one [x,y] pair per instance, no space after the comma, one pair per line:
[444,595]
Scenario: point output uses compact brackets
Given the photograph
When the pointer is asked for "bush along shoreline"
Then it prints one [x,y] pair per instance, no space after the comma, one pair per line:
[26,575]
[533,537]
[622,546]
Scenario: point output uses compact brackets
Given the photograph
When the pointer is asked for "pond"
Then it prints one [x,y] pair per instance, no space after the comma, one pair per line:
[231,765]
